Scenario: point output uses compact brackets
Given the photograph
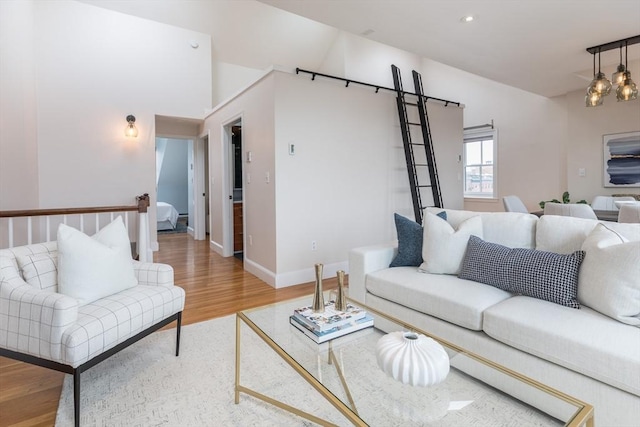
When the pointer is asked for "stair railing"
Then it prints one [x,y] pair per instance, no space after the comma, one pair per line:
[26,227]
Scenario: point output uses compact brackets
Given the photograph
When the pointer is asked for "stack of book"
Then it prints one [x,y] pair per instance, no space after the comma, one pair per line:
[331,323]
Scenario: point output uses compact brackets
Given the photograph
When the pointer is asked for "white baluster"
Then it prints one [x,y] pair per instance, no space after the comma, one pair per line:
[48,226]
[29,231]
[145,253]
[10,225]
[82,223]
[97,222]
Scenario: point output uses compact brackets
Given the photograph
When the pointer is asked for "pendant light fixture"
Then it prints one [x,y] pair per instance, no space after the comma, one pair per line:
[627,90]
[618,76]
[600,86]
[593,97]
[600,82]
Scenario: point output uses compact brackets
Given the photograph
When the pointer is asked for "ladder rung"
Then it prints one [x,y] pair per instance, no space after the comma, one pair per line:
[420,164]
[424,186]
[414,124]
[411,103]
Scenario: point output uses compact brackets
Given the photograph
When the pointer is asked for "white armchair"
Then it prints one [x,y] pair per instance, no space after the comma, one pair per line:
[629,213]
[49,329]
[608,203]
[576,210]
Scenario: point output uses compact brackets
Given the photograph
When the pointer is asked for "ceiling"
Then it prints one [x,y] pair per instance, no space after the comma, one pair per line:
[536,45]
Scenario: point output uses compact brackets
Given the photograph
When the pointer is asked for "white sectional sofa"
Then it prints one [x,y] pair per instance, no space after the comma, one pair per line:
[591,353]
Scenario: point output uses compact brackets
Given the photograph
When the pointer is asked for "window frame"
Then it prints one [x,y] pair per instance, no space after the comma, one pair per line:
[474,136]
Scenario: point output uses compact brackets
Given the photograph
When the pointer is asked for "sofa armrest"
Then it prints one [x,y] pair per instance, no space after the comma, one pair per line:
[32,321]
[153,273]
[365,260]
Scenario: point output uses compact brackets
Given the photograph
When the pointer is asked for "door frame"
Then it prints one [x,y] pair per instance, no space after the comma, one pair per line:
[200,174]
[227,185]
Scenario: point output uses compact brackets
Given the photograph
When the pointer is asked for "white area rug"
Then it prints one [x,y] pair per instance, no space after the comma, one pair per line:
[146,385]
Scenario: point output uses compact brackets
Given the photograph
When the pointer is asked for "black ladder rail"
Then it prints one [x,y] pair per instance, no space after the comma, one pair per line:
[414,168]
[408,145]
[428,140]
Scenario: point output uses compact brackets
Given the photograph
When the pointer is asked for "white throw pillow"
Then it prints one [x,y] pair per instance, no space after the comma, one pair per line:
[609,279]
[443,248]
[90,268]
[40,270]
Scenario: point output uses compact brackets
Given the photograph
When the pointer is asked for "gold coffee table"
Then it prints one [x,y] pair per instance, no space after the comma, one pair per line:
[344,371]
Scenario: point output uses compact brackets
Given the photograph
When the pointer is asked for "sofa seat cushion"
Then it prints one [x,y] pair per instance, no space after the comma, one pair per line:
[105,323]
[449,298]
[582,340]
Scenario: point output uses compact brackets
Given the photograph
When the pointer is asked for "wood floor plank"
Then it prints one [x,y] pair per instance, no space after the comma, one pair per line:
[214,286]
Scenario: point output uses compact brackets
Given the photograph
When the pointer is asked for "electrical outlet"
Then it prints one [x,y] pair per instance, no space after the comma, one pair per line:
[314,245]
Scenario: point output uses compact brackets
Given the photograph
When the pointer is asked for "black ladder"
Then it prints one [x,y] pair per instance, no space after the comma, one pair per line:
[423,174]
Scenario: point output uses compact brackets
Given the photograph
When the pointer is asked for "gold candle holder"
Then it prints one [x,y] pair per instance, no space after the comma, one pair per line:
[318,297]
[341,299]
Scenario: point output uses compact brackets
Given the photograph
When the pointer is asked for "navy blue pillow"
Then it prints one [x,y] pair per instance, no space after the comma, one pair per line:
[409,241]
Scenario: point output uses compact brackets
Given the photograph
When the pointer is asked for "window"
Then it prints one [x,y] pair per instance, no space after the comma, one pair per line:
[480,163]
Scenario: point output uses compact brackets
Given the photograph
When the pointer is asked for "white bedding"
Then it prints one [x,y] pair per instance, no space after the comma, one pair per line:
[167,216]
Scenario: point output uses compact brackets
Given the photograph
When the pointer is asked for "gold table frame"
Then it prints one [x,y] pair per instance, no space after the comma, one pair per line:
[582,417]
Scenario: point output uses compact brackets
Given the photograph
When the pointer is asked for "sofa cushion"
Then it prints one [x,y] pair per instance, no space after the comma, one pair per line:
[545,275]
[443,247]
[446,297]
[511,229]
[564,235]
[40,270]
[90,268]
[582,340]
[610,275]
[409,241]
[105,323]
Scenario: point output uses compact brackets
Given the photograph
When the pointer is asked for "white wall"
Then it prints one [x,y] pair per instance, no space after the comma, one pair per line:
[255,107]
[340,189]
[18,118]
[532,133]
[584,144]
[94,67]
[532,129]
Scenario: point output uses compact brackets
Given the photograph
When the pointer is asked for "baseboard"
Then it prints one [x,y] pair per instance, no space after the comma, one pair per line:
[217,248]
[260,272]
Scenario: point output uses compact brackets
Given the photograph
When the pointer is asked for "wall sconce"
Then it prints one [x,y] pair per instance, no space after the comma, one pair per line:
[131,131]
[600,86]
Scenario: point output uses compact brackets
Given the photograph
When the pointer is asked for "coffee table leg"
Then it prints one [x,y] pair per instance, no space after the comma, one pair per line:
[237,389]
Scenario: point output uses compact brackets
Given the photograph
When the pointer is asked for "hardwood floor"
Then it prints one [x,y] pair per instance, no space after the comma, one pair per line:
[214,286]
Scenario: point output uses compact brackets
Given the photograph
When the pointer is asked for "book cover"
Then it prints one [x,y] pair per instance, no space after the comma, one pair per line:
[330,318]
[338,331]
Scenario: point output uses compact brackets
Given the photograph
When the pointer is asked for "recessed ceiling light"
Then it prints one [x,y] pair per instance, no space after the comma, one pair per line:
[467,18]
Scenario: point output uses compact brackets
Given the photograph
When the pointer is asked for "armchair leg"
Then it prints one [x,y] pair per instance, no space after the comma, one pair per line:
[179,320]
[76,397]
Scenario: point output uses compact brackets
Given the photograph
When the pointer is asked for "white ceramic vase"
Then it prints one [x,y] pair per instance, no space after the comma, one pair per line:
[412,358]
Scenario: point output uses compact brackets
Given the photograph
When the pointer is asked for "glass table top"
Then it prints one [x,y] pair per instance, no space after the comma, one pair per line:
[475,392]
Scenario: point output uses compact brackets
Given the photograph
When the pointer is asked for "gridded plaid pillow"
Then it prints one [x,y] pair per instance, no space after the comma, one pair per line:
[40,270]
[538,274]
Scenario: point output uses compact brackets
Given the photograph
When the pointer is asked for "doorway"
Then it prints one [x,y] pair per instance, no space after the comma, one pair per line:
[237,190]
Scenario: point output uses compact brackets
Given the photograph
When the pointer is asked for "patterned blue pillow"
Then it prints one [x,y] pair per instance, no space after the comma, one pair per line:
[538,274]
[409,241]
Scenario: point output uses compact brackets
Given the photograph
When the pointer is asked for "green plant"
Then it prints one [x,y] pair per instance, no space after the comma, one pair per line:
[565,199]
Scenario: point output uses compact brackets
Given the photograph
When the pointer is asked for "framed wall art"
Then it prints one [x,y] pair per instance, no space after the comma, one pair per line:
[621,166]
